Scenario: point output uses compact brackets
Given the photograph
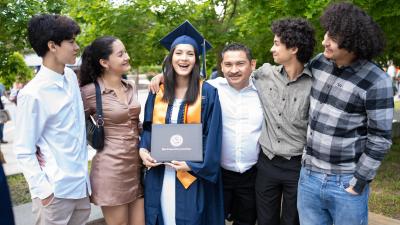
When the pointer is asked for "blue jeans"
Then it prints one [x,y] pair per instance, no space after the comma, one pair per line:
[323,200]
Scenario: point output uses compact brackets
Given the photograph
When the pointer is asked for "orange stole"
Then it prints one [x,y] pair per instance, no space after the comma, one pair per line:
[192,114]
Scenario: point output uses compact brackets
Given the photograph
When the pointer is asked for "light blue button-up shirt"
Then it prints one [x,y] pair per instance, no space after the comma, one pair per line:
[50,115]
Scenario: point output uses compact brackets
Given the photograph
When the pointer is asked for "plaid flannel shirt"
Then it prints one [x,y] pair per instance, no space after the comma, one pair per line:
[350,119]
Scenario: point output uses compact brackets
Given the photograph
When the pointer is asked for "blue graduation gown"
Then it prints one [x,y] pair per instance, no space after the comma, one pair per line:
[202,202]
[6,213]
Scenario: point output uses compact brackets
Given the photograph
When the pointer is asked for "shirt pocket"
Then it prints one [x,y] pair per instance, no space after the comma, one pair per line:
[270,95]
[299,106]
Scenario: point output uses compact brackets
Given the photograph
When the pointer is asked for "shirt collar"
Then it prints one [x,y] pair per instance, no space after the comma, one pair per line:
[356,65]
[251,85]
[224,81]
[305,71]
[52,76]
[353,67]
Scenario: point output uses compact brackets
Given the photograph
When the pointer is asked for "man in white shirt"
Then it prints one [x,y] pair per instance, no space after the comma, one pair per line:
[242,118]
[50,117]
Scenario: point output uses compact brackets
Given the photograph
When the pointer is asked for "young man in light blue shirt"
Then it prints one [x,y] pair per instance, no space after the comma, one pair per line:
[50,117]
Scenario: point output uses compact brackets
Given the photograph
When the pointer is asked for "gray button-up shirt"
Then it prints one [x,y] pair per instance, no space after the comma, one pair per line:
[285,106]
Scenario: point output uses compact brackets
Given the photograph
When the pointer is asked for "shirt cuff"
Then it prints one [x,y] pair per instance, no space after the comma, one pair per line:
[358,184]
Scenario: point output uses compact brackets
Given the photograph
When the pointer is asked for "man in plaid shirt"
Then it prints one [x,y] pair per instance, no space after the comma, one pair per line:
[350,120]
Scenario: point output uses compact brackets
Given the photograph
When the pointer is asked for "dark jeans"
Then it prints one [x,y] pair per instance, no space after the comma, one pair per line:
[6,213]
[276,190]
[1,131]
[239,196]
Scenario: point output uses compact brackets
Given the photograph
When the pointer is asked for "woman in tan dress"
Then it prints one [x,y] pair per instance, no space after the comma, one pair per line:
[115,173]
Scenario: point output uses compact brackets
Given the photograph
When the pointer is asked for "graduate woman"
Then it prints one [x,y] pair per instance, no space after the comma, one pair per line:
[184,192]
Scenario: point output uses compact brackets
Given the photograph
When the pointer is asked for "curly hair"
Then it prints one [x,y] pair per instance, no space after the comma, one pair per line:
[296,32]
[353,30]
[90,69]
[47,27]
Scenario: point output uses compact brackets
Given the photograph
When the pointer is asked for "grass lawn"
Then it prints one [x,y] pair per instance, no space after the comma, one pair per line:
[385,189]
[384,198]
[19,189]
[397,105]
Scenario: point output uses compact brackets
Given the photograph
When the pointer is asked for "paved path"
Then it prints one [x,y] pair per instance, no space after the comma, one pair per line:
[376,219]
[24,216]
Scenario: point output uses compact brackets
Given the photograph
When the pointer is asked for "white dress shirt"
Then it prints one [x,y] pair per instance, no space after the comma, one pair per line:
[50,115]
[242,117]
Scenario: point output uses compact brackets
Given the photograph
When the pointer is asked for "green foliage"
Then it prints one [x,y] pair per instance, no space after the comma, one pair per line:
[15,69]
[150,69]
[386,14]
[140,24]
[14,16]
[19,190]
[385,194]
[133,24]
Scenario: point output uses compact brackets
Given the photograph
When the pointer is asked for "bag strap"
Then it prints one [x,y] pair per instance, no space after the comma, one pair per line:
[99,105]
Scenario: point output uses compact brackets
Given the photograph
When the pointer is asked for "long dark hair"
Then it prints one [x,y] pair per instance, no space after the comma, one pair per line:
[170,80]
[90,70]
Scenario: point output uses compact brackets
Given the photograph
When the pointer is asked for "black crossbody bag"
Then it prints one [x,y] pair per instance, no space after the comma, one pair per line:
[94,126]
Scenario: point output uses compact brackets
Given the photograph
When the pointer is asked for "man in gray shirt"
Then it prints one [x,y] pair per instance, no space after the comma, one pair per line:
[284,93]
